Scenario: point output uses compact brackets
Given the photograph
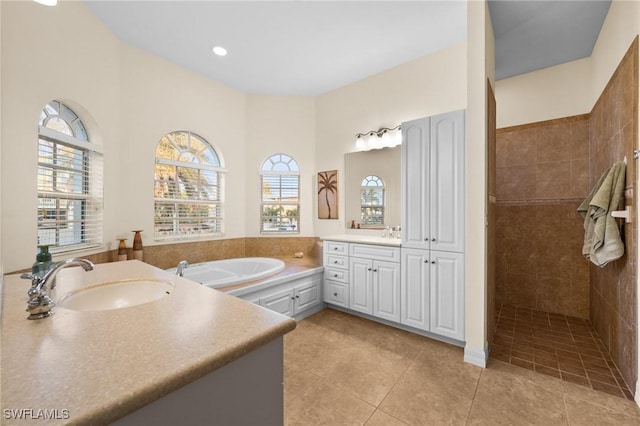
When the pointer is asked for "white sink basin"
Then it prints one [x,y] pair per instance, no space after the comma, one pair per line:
[116,295]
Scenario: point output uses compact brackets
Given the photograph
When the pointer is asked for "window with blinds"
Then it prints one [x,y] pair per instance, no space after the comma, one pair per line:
[280,182]
[188,190]
[70,182]
[372,201]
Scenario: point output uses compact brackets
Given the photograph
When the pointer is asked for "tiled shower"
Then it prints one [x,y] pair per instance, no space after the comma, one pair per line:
[543,171]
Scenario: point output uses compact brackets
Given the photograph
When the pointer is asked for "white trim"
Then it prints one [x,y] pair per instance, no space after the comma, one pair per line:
[476,356]
[281,173]
[69,140]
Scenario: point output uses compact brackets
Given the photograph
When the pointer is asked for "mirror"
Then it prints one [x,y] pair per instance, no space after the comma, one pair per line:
[366,166]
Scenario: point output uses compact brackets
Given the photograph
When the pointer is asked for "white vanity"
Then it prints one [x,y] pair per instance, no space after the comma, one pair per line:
[416,282]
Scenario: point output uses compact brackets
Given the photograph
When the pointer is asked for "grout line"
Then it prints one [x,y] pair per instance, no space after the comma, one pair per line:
[473,399]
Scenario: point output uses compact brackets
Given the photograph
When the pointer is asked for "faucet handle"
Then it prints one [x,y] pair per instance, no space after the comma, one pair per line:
[35,279]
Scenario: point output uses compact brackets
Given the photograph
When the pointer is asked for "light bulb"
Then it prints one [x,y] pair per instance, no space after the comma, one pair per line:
[47,2]
[360,143]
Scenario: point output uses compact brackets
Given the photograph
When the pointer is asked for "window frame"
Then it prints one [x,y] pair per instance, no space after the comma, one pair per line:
[380,186]
[179,230]
[86,231]
[291,162]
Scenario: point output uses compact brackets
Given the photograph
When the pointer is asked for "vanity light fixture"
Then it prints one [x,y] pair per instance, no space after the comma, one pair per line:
[47,2]
[381,138]
[219,50]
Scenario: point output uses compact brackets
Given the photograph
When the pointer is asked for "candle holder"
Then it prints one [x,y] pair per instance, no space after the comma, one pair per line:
[137,245]
[122,249]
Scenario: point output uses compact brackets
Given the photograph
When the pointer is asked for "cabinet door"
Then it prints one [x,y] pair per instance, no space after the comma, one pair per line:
[415,183]
[446,215]
[280,302]
[447,294]
[386,290]
[360,271]
[414,288]
[306,295]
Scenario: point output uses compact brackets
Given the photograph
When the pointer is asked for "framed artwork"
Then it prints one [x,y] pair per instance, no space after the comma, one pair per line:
[328,194]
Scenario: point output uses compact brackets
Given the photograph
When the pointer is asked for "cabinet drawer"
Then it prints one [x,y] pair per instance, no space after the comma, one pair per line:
[336,293]
[336,261]
[368,251]
[336,247]
[334,274]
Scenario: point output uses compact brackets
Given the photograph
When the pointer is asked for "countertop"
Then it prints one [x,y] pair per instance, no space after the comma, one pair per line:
[363,239]
[103,365]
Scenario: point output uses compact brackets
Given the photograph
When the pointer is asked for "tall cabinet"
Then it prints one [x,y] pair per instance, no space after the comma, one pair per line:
[432,254]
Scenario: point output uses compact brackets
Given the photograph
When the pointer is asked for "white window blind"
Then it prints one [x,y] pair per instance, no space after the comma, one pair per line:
[280,183]
[70,182]
[188,190]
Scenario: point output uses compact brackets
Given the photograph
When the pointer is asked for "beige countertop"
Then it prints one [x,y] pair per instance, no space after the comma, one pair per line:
[363,239]
[102,365]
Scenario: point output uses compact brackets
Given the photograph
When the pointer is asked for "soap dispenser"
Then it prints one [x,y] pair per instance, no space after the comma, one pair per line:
[43,261]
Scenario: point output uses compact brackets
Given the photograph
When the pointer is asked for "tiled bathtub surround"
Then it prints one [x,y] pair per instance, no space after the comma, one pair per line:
[614,134]
[563,347]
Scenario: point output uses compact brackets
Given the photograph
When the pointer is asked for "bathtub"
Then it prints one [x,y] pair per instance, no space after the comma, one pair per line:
[228,272]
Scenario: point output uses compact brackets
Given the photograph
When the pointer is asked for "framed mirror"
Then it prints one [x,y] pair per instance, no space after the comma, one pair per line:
[372,188]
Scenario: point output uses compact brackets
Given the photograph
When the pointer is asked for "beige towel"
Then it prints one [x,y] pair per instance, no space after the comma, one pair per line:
[602,242]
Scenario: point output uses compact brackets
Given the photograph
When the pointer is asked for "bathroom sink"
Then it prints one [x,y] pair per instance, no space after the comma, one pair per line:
[116,295]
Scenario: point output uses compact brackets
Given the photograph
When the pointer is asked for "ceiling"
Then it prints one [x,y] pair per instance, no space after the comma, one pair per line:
[311,47]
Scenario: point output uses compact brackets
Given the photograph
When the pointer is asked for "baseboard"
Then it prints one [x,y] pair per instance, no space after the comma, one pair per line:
[476,356]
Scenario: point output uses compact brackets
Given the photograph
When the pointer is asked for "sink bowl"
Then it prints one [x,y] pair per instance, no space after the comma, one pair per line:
[116,295]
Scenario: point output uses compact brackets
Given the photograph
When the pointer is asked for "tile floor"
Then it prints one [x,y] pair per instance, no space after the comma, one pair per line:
[564,347]
[341,369]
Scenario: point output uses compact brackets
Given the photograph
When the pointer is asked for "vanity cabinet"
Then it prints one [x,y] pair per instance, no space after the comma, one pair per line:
[432,292]
[432,278]
[336,273]
[433,183]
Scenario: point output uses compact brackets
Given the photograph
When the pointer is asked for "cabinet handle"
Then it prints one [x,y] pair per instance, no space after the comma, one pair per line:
[335,248]
[426,238]
[426,261]
[433,261]
[433,239]
[336,275]
[297,297]
[293,298]
[368,269]
[335,294]
[335,261]
[375,270]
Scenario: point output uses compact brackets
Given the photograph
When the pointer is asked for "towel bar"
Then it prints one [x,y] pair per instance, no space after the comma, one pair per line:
[626,214]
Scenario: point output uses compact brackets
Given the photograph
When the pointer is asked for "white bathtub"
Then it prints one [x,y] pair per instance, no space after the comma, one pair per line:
[228,272]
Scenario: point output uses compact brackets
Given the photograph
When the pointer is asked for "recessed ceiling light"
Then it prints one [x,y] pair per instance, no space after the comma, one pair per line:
[219,50]
[47,2]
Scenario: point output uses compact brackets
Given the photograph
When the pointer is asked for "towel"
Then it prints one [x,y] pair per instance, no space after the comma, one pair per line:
[602,242]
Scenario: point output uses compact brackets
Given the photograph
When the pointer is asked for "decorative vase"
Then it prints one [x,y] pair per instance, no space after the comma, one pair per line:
[137,245]
[122,249]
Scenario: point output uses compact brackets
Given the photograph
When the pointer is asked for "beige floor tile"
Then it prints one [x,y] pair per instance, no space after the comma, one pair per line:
[296,380]
[416,402]
[367,372]
[380,418]
[517,399]
[323,404]
[581,413]
[315,351]
[614,403]
[443,365]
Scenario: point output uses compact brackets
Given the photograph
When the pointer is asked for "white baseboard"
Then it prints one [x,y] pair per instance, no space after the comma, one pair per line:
[476,356]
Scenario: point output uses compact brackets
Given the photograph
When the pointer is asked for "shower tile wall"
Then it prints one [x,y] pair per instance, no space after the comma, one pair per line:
[614,132]
[542,175]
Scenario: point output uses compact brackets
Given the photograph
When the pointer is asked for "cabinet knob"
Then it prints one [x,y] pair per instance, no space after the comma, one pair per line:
[426,261]
[335,248]
[335,294]
[433,239]
[297,297]
[293,298]
[335,275]
[426,238]
[335,261]
[375,270]
[368,269]
[433,261]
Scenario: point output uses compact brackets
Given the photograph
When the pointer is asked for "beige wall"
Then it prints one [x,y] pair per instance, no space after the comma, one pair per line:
[275,125]
[427,86]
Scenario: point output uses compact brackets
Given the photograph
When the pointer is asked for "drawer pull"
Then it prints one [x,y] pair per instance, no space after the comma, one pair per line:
[375,270]
[336,275]
[433,261]
[335,261]
[426,261]
[335,294]
[297,297]
[426,238]
[433,239]
[368,269]
[335,248]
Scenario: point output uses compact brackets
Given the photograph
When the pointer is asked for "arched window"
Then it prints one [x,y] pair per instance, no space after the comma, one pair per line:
[280,182]
[188,190]
[372,201]
[70,181]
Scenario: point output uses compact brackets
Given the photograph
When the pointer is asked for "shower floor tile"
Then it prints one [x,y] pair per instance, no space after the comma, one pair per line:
[564,347]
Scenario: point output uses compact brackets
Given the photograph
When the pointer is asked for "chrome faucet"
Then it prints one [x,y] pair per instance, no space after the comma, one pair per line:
[182,265]
[40,303]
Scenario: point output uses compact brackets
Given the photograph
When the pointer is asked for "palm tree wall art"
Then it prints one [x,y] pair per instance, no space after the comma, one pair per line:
[328,195]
